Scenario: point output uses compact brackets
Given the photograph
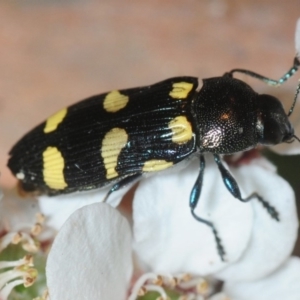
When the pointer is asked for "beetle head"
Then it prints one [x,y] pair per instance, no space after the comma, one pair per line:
[272,125]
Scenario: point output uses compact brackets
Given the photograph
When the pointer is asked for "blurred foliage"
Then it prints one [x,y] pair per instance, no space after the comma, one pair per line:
[288,168]
[154,295]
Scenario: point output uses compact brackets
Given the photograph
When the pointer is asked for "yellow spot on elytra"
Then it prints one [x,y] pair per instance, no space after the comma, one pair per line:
[114,141]
[181,130]
[53,168]
[114,101]
[55,120]
[181,90]
[155,165]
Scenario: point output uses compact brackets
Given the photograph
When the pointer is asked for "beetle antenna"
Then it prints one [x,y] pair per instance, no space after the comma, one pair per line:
[269,81]
[295,137]
[295,100]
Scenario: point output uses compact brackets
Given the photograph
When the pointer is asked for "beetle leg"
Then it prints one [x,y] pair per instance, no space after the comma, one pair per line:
[122,183]
[228,180]
[270,209]
[196,191]
[233,188]
[267,80]
[194,198]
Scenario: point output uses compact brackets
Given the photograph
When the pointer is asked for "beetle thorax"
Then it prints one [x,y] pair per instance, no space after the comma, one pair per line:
[226,116]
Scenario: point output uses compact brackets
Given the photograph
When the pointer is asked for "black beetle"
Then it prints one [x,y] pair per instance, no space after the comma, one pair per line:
[116,137]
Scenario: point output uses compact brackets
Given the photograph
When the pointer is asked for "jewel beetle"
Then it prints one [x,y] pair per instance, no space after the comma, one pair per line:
[116,137]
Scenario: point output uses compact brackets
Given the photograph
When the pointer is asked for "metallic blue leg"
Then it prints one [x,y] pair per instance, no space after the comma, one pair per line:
[233,188]
[194,198]
[121,184]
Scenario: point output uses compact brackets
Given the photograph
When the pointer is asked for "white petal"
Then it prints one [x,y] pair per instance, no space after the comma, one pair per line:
[17,213]
[91,256]
[219,296]
[271,242]
[297,37]
[282,284]
[289,149]
[169,239]
[59,208]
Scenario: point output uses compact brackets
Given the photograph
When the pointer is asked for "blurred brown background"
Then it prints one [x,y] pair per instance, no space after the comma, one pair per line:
[54,53]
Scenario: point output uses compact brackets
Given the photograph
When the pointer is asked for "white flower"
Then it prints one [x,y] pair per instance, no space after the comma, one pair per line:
[164,228]
[283,283]
[16,273]
[91,259]
[58,209]
[162,214]
[20,224]
[91,256]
